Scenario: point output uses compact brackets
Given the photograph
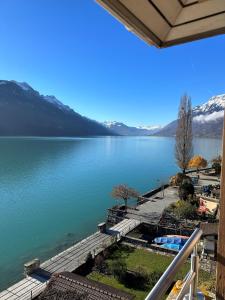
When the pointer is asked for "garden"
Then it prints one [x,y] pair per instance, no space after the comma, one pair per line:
[134,270]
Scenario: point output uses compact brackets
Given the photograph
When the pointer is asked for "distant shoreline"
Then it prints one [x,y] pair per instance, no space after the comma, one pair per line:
[99,136]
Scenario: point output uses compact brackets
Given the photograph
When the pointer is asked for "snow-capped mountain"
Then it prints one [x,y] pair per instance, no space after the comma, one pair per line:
[207,119]
[150,127]
[210,111]
[123,129]
[110,124]
[25,112]
[51,99]
[216,103]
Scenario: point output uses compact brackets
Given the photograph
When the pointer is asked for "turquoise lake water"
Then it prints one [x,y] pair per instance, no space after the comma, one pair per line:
[54,191]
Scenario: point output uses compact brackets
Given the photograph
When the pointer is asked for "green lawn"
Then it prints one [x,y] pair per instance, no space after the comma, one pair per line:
[112,281]
[143,258]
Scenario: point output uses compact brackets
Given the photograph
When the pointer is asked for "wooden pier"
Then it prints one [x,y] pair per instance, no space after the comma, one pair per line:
[124,227]
[68,260]
[26,289]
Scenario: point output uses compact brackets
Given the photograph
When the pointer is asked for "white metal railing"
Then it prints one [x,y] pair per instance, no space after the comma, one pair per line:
[191,280]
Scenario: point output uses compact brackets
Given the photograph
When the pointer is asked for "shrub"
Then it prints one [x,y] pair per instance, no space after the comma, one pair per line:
[184,210]
[178,179]
[197,162]
[100,264]
[186,190]
[217,167]
[118,268]
[154,277]
[141,279]
[169,209]
[142,276]
[106,253]
[194,200]
[216,164]
[137,278]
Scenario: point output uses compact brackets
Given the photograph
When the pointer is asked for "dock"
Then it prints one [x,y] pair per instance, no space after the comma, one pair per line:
[26,289]
[68,260]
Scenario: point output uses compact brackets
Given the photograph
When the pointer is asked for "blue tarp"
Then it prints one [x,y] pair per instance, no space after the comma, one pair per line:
[170,240]
[172,246]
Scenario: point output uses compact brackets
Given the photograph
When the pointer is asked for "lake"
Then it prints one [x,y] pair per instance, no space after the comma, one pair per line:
[55,191]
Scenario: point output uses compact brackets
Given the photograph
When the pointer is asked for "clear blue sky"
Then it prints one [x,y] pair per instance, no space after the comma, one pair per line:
[75,50]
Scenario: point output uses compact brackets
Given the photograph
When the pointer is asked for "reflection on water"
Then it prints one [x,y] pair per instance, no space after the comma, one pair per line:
[24,157]
[55,191]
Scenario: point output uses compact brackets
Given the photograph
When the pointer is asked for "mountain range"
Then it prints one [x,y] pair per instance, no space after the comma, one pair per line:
[123,129]
[25,112]
[207,122]
[207,119]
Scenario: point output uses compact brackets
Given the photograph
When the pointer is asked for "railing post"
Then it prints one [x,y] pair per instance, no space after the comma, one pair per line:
[194,269]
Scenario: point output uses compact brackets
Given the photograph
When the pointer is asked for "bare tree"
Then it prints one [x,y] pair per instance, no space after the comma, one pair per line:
[184,147]
[124,192]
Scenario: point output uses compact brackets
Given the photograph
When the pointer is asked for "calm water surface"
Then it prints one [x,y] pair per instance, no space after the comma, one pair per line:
[55,191]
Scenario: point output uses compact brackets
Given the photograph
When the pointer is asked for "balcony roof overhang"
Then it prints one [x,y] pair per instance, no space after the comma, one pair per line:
[164,23]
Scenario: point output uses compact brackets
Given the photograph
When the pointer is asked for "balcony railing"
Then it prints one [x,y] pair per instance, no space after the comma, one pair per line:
[191,280]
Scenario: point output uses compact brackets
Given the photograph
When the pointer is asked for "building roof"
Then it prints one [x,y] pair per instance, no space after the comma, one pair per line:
[164,23]
[69,282]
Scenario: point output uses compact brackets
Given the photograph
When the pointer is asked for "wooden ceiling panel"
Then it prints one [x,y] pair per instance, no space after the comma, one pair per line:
[196,30]
[169,9]
[200,10]
[149,16]
[188,2]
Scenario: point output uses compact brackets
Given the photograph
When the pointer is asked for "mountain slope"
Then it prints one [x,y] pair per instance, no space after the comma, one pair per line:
[24,112]
[207,119]
[122,129]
